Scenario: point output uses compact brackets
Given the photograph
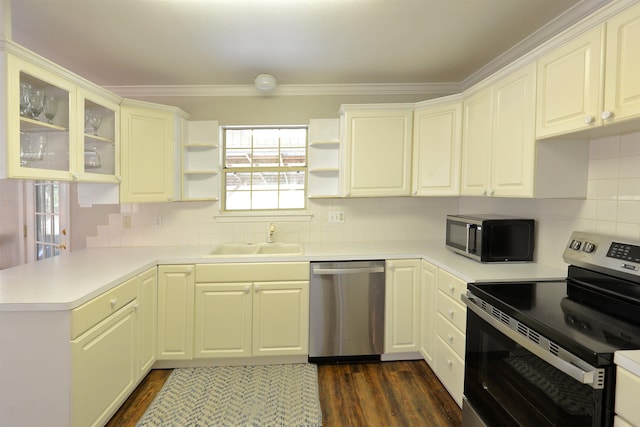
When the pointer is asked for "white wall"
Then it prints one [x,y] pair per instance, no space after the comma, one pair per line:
[611,207]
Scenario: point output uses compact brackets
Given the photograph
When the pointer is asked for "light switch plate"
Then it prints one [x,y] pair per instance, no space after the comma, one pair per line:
[336,216]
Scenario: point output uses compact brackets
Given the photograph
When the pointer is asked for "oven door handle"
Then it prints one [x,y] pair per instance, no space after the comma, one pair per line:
[592,376]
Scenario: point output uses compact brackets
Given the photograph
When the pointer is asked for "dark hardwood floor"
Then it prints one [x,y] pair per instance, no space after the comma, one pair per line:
[385,394]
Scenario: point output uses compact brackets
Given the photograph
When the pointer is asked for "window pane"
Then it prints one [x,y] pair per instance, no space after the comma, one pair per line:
[294,157]
[292,199]
[238,138]
[292,180]
[266,157]
[264,200]
[265,181]
[293,137]
[238,158]
[239,200]
[238,181]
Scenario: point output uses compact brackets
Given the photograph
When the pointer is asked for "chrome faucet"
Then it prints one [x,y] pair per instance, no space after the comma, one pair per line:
[272,229]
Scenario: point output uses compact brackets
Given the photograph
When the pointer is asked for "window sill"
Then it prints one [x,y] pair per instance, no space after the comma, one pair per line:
[263,216]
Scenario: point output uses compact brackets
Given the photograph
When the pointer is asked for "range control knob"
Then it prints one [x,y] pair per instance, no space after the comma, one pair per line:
[588,247]
[575,244]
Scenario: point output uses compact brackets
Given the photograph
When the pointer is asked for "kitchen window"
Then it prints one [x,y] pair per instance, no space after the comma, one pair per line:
[265,168]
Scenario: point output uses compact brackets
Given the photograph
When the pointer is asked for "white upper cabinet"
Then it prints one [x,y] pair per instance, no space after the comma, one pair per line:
[151,138]
[49,134]
[39,147]
[569,86]
[377,149]
[622,65]
[500,156]
[437,139]
[592,80]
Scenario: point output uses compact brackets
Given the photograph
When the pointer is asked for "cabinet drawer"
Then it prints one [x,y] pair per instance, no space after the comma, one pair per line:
[627,391]
[252,272]
[451,335]
[450,285]
[450,370]
[452,311]
[99,308]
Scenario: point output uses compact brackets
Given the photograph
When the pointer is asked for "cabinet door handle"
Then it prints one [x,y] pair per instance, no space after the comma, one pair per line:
[606,115]
[451,288]
[449,362]
[490,192]
[589,119]
[113,302]
[246,289]
[256,288]
[450,338]
[451,313]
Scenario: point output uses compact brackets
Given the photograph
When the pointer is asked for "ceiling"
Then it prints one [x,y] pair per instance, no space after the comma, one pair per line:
[301,42]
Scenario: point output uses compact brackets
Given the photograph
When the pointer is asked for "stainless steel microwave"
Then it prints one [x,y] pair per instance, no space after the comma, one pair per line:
[491,238]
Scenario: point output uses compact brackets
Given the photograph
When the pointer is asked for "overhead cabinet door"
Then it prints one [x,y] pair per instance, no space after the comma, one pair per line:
[377,145]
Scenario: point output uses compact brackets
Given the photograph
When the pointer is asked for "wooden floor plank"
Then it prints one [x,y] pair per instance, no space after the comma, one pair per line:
[385,394]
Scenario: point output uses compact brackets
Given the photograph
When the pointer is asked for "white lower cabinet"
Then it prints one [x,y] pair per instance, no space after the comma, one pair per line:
[402,306]
[175,312]
[251,309]
[428,293]
[443,318]
[111,348]
[627,390]
[451,325]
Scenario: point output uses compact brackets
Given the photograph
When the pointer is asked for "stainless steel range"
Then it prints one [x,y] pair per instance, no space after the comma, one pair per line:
[541,353]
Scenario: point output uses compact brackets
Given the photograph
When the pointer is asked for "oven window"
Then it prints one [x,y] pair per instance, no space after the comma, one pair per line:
[508,385]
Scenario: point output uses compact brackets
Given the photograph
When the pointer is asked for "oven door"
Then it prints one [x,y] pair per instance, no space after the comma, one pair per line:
[507,384]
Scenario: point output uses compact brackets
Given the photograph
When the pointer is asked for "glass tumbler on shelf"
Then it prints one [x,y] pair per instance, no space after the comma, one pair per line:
[50,107]
[25,94]
[95,120]
[36,103]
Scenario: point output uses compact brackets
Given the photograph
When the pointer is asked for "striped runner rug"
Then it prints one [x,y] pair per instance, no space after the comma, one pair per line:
[235,396]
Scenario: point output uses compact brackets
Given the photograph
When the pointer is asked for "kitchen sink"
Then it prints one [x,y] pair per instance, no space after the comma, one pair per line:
[256,249]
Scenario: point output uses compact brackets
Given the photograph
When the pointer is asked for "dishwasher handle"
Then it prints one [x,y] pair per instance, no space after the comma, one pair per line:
[354,270]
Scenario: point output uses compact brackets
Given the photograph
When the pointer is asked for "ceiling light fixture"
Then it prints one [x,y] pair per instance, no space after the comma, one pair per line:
[265,82]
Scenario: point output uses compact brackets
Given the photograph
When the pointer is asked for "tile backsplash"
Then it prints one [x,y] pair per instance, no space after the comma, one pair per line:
[612,206]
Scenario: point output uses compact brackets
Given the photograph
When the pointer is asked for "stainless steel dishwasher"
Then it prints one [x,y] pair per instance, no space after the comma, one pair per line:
[346,313]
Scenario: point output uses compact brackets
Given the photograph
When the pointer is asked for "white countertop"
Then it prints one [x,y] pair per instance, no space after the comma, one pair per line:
[629,360]
[67,281]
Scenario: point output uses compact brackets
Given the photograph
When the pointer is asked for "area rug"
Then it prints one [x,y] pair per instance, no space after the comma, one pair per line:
[235,396]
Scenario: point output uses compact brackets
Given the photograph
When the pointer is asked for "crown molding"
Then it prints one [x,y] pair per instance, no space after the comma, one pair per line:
[558,25]
[433,89]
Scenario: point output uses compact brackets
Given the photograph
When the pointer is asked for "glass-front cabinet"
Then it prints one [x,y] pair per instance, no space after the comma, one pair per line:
[59,126]
[99,148]
[41,122]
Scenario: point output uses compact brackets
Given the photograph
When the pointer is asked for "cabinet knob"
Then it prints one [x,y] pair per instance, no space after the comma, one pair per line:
[451,313]
[450,338]
[113,302]
[589,119]
[606,115]
[256,288]
[415,192]
[136,306]
[449,362]
[247,289]
[490,192]
[451,288]
[119,178]
[74,176]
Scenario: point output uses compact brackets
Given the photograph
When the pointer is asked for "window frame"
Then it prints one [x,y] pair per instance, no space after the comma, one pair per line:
[252,169]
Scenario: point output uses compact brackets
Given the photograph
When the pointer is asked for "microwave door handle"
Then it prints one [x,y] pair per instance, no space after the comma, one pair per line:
[471,227]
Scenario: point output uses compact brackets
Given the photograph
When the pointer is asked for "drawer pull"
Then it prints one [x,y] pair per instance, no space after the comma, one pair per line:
[451,313]
[113,302]
[450,338]
[451,289]
[449,362]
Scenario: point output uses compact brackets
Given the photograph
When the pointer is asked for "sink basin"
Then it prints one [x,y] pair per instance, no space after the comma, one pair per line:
[250,249]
